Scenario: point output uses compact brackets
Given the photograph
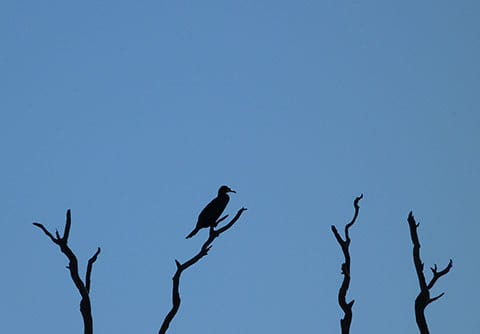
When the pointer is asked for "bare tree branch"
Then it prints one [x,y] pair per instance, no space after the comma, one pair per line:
[342,293]
[55,240]
[423,298]
[83,289]
[437,275]
[213,234]
[68,223]
[90,263]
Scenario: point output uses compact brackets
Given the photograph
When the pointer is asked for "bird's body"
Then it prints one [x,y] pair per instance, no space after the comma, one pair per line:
[210,214]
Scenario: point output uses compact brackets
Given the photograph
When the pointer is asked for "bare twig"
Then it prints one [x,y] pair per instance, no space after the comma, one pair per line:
[342,293]
[90,263]
[83,289]
[423,299]
[183,266]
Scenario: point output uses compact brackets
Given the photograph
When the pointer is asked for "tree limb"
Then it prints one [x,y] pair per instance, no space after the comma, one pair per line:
[181,267]
[90,263]
[342,293]
[423,298]
[83,289]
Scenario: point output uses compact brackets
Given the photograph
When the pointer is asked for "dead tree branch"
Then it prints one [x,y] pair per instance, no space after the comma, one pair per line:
[83,288]
[342,293]
[423,299]
[181,267]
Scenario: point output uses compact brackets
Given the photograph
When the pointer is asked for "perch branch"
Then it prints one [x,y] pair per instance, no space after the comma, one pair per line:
[423,298]
[83,289]
[342,293]
[181,267]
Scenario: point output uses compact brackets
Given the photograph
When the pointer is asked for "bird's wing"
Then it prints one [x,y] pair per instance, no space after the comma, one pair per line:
[212,212]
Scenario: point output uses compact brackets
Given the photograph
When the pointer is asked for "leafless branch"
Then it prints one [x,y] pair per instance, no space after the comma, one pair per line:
[342,293]
[423,298]
[83,289]
[90,263]
[181,267]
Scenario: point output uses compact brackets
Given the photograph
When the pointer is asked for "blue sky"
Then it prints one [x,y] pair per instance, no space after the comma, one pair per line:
[133,114]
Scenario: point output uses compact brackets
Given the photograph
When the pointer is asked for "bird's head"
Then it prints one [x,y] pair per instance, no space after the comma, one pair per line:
[224,189]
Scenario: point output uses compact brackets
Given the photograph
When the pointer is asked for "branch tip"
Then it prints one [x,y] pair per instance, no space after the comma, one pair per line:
[357,199]
[95,255]
[47,233]
[435,298]
[68,223]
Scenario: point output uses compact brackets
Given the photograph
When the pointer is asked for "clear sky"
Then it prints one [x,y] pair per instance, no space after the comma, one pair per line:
[132,114]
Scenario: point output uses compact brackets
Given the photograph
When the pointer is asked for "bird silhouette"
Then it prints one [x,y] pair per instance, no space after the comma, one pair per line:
[210,214]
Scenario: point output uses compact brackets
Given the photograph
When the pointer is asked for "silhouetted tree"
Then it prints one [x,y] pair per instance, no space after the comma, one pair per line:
[342,293]
[423,299]
[83,287]
[181,267]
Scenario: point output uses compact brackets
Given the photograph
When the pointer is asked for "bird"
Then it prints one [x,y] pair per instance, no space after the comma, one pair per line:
[209,215]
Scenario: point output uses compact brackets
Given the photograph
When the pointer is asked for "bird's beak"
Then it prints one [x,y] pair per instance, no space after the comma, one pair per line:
[232,191]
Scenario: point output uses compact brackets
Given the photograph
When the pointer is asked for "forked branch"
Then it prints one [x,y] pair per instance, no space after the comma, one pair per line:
[181,267]
[423,299]
[342,293]
[83,288]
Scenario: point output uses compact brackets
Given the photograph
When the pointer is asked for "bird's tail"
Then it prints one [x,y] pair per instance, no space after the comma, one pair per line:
[195,231]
